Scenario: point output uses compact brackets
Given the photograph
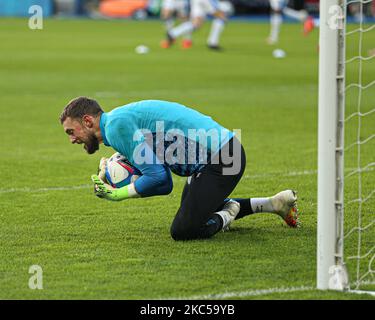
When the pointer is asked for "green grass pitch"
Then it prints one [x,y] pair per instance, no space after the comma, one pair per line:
[92,249]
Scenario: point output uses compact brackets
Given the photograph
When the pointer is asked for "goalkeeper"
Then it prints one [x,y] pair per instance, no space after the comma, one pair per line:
[160,137]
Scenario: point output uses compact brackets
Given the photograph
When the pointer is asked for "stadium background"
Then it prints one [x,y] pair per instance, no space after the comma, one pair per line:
[86,7]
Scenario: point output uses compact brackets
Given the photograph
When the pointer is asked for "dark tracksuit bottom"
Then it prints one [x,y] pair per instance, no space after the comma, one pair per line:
[206,194]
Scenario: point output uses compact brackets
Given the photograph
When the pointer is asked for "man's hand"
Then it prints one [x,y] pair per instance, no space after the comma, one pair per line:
[102,189]
[101,169]
[105,191]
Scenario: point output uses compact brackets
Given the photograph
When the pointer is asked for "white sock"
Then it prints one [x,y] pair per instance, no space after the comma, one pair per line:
[182,29]
[188,36]
[261,205]
[299,15]
[169,23]
[217,28]
[276,20]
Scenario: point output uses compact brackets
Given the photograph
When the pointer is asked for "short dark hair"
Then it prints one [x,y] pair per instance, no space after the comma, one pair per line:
[80,106]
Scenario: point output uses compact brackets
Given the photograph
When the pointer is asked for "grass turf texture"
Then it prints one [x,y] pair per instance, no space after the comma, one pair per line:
[94,249]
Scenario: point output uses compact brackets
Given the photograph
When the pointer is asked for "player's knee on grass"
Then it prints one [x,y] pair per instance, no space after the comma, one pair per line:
[182,230]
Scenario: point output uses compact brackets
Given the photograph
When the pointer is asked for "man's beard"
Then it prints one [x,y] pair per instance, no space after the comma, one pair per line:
[92,144]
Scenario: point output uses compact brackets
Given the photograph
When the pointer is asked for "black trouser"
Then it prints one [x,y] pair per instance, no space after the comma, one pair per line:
[205,194]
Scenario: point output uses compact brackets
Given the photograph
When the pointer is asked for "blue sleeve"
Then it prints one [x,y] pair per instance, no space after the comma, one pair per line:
[156,180]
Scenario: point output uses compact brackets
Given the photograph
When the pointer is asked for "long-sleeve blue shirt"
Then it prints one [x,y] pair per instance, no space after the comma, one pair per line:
[158,137]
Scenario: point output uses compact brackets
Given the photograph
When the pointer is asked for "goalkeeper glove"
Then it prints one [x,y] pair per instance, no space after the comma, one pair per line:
[105,191]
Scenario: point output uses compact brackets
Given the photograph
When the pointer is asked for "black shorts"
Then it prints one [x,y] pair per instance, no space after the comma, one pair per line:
[205,193]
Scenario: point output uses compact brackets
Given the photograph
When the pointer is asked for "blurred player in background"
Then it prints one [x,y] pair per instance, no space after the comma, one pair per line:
[368,10]
[171,9]
[199,10]
[280,7]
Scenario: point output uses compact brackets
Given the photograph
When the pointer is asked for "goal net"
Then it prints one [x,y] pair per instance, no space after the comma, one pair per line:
[346,155]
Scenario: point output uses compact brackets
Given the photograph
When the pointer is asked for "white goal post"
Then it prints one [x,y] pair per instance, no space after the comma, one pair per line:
[330,141]
[331,268]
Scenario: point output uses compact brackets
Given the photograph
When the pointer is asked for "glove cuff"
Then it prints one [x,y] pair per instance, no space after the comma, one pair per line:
[126,192]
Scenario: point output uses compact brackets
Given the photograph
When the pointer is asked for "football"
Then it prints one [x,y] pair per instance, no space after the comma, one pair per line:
[120,172]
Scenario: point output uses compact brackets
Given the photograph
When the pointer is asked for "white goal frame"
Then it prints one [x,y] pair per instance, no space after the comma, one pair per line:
[331,270]
[331,143]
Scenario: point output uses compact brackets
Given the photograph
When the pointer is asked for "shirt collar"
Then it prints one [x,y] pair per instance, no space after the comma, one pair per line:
[103,120]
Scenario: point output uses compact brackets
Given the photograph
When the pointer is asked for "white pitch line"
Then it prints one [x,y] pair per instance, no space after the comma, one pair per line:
[247,176]
[371,293]
[248,293]
[86,186]
[281,174]
[47,189]
[260,292]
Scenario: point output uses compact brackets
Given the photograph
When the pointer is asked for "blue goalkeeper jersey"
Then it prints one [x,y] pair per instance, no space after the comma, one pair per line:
[158,136]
